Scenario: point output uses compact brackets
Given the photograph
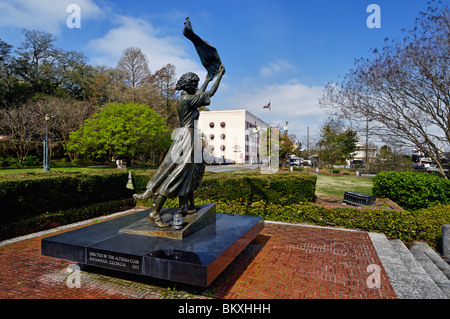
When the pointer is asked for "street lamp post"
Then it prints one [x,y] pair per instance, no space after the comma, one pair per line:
[46,166]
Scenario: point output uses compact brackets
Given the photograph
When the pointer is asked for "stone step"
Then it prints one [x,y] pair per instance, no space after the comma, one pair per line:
[433,264]
[398,274]
[407,275]
[422,282]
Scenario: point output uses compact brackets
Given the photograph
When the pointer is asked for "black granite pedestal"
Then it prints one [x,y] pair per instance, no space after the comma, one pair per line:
[196,259]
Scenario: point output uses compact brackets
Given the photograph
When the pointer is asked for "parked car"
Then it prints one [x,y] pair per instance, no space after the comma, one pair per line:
[294,162]
[306,162]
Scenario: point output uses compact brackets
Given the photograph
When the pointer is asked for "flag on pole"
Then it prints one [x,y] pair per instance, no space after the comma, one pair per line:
[267,106]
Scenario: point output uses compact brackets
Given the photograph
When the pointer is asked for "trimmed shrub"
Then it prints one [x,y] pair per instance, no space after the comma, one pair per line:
[279,188]
[429,223]
[412,190]
[140,179]
[29,194]
[424,225]
[62,217]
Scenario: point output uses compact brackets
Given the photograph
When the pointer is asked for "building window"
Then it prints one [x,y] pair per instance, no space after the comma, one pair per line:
[222,147]
[211,147]
[222,136]
[222,124]
[211,136]
[211,125]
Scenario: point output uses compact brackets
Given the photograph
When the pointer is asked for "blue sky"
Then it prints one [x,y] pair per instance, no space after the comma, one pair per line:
[283,51]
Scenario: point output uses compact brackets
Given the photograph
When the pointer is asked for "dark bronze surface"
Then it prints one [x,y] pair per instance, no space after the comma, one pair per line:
[191,223]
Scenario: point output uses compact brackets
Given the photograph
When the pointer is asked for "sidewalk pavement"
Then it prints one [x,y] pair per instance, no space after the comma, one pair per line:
[284,261]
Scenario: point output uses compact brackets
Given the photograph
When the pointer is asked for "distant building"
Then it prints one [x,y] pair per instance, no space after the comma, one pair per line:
[360,154]
[232,135]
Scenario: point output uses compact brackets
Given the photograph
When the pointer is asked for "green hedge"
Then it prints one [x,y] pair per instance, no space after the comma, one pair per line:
[412,190]
[29,194]
[279,188]
[62,217]
[423,225]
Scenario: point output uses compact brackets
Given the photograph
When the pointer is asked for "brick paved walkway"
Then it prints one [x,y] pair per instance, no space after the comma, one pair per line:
[284,261]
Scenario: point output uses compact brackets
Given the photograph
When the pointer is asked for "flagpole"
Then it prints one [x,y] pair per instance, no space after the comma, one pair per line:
[270,133]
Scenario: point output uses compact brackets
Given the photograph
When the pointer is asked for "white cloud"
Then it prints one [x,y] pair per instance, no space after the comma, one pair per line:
[44,15]
[160,50]
[275,68]
[291,101]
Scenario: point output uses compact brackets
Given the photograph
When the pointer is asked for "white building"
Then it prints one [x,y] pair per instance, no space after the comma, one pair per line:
[361,151]
[232,135]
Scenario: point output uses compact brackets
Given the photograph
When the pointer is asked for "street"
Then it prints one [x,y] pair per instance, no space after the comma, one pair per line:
[229,167]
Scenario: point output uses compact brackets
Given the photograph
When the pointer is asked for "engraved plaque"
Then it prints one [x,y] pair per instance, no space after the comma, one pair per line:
[114,260]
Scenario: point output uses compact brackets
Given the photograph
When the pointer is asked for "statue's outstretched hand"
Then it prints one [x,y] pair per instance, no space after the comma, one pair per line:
[221,70]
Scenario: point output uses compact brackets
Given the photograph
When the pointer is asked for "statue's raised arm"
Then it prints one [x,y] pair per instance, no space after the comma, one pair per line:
[208,54]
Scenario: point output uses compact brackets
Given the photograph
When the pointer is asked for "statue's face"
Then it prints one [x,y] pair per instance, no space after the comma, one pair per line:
[192,87]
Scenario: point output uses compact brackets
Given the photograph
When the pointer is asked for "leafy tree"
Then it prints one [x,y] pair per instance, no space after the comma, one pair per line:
[5,51]
[12,90]
[48,70]
[122,131]
[287,146]
[335,143]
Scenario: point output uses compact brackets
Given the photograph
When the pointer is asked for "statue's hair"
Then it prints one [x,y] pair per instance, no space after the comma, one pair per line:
[186,79]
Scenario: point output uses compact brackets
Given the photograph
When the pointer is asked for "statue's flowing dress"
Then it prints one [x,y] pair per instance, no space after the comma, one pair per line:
[182,168]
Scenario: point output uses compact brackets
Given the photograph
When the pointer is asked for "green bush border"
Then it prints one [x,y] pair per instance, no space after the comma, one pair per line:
[63,217]
[279,188]
[423,225]
[412,190]
[26,195]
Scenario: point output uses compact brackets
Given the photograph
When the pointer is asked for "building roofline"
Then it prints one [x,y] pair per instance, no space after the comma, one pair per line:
[236,110]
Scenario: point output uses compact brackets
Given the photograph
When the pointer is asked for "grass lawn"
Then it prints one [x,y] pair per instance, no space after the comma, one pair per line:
[337,185]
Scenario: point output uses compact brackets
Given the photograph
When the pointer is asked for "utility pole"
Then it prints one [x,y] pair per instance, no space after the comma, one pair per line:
[307,140]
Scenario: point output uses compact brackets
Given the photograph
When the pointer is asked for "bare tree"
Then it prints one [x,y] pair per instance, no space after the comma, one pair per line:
[19,123]
[67,116]
[164,81]
[134,66]
[405,88]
